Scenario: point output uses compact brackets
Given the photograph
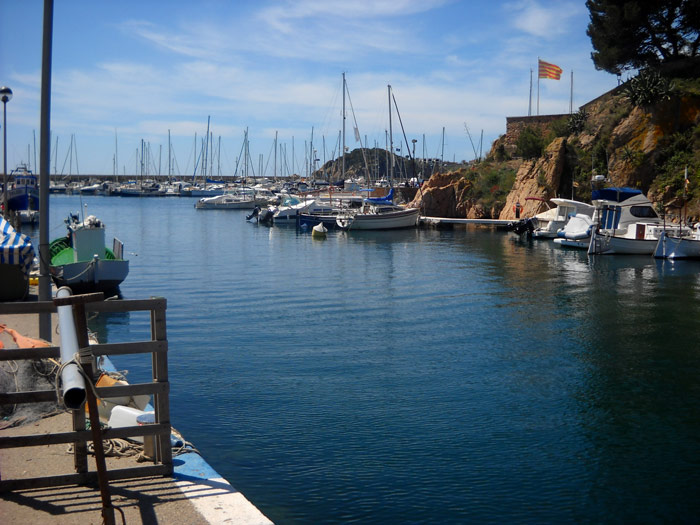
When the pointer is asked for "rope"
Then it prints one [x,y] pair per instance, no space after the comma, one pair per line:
[84,353]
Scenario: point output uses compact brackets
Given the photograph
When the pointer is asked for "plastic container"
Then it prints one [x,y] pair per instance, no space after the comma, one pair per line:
[126,417]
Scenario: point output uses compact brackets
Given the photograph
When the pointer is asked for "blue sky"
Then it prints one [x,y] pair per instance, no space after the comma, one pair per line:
[134,70]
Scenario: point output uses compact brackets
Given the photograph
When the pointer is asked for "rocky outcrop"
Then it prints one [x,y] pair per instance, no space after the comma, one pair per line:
[437,197]
[536,179]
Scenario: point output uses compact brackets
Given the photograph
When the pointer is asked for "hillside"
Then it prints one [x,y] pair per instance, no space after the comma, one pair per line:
[642,134]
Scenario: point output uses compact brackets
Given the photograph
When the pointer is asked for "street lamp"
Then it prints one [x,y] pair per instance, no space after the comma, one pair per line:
[6,96]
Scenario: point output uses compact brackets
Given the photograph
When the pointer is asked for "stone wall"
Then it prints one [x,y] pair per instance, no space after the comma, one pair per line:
[515,125]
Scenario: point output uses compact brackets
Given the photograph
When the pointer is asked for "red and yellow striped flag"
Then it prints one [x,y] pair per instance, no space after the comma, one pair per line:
[547,70]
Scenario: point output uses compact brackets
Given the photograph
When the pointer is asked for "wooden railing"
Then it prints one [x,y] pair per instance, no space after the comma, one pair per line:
[157,346]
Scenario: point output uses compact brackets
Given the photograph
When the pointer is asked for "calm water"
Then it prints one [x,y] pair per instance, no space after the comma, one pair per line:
[418,376]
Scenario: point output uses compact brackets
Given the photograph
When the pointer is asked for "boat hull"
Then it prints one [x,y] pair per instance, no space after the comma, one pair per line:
[407,218]
[609,244]
[223,203]
[97,275]
[22,198]
[580,244]
[677,248]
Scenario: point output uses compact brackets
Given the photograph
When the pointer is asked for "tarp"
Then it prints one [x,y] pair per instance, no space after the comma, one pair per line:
[387,199]
[15,248]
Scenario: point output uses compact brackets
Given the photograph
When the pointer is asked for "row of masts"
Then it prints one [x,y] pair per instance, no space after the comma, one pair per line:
[207,157]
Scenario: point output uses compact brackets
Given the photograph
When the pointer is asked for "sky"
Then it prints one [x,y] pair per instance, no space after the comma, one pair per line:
[129,73]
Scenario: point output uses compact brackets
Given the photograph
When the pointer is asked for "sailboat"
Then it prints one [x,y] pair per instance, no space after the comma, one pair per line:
[379,213]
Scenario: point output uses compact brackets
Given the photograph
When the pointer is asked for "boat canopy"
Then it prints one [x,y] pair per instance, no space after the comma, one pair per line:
[614,194]
[15,248]
[387,199]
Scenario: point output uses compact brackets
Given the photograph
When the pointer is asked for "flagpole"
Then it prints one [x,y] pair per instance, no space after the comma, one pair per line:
[538,85]
[571,97]
[529,106]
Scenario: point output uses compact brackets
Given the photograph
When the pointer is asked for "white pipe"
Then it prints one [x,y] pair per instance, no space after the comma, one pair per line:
[73,383]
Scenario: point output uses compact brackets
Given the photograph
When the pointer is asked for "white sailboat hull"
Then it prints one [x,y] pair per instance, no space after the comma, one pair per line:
[407,218]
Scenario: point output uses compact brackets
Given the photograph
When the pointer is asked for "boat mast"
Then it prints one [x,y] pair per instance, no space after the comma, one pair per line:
[343,165]
[206,151]
[170,172]
[116,156]
[391,141]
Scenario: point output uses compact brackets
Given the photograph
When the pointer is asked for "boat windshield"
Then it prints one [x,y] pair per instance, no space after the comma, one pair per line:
[290,201]
[644,212]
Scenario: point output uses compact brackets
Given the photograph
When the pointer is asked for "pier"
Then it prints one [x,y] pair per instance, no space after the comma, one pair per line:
[440,221]
[41,482]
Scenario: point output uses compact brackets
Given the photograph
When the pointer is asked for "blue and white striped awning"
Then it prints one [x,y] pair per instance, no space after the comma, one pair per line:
[15,248]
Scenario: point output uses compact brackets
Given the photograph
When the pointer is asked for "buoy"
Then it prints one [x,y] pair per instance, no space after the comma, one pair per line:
[319,230]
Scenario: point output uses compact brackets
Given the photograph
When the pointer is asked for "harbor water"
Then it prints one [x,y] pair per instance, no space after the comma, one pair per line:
[417,376]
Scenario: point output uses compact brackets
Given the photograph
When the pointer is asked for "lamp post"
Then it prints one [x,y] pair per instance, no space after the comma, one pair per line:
[6,95]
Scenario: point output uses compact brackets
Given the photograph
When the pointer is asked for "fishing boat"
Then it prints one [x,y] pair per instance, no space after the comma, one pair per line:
[673,246]
[81,260]
[627,223]
[23,194]
[16,259]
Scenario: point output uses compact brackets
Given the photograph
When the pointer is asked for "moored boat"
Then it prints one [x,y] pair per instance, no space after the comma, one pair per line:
[380,217]
[81,260]
[550,222]
[23,194]
[673,246]
[627,223]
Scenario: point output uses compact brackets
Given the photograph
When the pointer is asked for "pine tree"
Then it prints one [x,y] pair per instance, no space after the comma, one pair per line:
[638,34]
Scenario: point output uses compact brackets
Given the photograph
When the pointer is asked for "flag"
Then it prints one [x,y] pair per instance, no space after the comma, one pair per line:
[547,70]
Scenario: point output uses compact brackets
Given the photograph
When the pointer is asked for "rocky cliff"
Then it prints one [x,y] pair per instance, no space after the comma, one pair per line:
[642,147]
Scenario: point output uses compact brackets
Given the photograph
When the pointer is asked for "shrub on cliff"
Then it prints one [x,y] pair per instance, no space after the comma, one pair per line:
[677,152]
[648,88]
[530,143]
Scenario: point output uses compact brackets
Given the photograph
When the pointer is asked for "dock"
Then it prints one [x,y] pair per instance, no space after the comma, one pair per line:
[193,493]
[438,221]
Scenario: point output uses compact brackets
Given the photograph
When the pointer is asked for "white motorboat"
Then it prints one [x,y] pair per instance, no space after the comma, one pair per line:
[673,246]
[554,219]
[292,205]
[238,199]
[577,232]
[627,225]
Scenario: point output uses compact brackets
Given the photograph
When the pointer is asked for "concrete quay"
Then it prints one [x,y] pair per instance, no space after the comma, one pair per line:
[194,494]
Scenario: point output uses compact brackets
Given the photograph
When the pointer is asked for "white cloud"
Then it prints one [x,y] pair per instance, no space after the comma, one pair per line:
[543,21]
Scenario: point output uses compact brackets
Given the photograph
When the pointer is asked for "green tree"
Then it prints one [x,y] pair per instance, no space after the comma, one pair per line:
[636,34]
